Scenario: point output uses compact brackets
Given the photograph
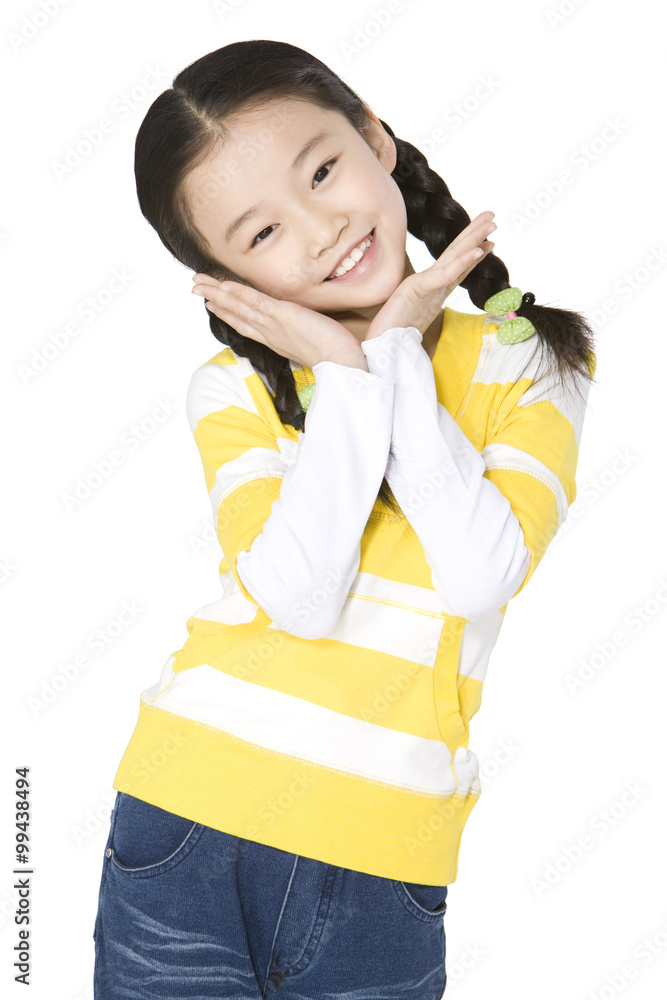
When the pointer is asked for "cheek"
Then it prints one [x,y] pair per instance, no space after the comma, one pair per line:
[284,277]
[387,200]
[396,206]
[382,191]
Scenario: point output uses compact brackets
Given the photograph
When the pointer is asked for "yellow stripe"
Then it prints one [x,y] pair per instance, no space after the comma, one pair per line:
[445,687]
[539,428]
[535,507]
[470,696]
[227,434]
[360,683]
[290,804]
[456,356]
[225,357]
[241,516]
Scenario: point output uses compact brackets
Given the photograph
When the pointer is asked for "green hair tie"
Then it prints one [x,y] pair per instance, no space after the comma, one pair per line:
[513,328]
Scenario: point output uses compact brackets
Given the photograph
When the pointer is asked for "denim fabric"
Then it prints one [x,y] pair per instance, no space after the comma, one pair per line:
[186,911]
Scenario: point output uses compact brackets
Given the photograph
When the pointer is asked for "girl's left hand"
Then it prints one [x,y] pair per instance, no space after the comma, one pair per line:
[418,298]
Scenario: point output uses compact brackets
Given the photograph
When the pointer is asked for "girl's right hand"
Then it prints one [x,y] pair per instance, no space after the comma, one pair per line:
[293,331]
[418,299]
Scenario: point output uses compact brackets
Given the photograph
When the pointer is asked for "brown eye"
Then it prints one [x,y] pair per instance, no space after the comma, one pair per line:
[268,229]
[329,164]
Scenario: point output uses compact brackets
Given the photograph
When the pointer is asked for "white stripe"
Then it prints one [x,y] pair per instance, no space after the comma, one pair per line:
[567,401]
[254,463]
[382,631]
[166,678]
[479,638]
[506,456]
[385,628]
[504,363]
[233,608]
[213,387]
[301,729]
[407,631]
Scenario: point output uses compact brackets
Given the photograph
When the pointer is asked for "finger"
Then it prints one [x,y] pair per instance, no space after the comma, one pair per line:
[240,325]
[486,247]
[222,291]
[448,274]
[247,309]
[465,244]
[230,314]
[250,304]
[474,233]
[203,288]
[463,259]
[205,278]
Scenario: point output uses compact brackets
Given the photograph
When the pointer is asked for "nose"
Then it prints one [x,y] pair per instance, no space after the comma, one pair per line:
[327,235]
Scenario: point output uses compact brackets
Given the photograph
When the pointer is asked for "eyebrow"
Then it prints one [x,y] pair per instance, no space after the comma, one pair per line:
[314,143]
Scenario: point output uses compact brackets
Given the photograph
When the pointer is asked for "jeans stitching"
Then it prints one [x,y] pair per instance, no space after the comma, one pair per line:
[415,908]
[105,867]
[312,944]
[184,849]
[280,916]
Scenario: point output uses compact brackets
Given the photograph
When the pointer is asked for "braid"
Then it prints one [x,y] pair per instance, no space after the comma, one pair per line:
[436,218]
[278,373]
[276,369]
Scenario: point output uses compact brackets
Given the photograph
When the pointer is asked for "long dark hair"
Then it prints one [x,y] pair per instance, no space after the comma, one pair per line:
[179,131]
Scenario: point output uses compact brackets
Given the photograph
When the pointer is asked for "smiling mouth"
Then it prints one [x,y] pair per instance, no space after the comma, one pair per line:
[356,254]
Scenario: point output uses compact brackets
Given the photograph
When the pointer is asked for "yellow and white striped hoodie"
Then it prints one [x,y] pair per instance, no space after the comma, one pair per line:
[322,704]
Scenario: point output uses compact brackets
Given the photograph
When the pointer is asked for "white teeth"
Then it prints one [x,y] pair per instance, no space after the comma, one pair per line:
[355,255]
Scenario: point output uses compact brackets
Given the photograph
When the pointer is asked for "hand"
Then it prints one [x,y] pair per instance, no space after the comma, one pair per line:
[418,298]
[293,331]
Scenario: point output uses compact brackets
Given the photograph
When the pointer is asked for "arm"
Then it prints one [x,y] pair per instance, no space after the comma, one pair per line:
[290,526]
[484,519]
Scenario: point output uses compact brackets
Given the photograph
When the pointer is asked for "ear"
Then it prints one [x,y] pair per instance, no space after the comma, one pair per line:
[380,141]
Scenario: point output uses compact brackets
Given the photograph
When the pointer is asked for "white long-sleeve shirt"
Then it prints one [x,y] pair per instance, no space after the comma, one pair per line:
[359,427]
[472,539]
[311,540]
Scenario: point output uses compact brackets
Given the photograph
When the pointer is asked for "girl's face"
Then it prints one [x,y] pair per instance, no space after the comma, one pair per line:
[279,211]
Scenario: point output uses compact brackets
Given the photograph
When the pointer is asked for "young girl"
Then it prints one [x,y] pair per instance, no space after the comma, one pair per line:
[385,475]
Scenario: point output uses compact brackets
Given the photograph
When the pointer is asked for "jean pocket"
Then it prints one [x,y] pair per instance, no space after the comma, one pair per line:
[427,902]
[147,840]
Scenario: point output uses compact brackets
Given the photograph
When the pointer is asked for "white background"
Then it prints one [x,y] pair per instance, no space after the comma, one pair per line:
[143,537]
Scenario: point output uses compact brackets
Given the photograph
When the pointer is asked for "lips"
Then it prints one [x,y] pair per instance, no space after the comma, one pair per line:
[368,236]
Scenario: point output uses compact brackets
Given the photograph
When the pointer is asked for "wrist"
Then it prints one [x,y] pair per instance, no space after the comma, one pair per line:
[392,333]
[353,358]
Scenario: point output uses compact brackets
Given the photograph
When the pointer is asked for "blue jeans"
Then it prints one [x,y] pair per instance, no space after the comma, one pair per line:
[186,911]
